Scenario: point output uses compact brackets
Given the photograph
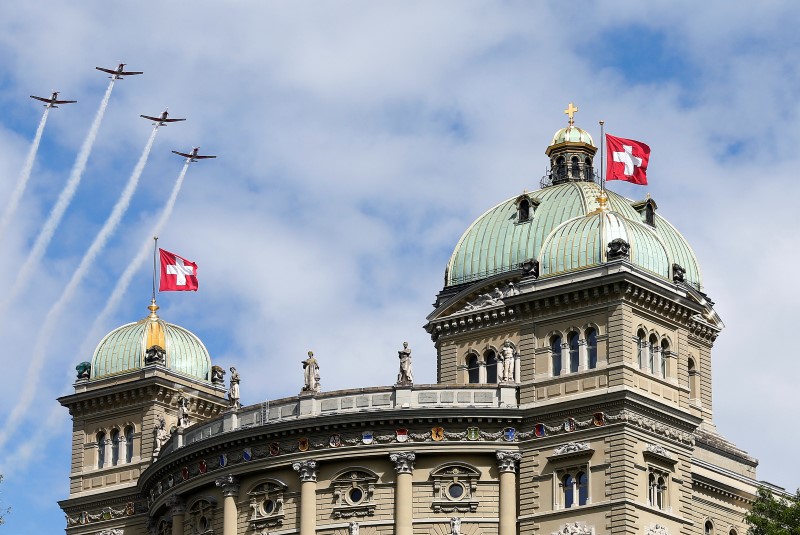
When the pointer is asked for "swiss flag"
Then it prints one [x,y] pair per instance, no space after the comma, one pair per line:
[627,160]
[177,273]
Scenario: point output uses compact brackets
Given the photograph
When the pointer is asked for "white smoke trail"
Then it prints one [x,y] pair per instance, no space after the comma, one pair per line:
[125,279]
[16,195]
[37,358]
[26,450]
[53,220]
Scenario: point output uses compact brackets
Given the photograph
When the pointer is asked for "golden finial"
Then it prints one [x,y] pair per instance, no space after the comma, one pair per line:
[570,111]
[602,200]
[152,308]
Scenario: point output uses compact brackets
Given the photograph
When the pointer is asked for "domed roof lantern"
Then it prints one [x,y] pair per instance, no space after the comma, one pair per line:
[571,154]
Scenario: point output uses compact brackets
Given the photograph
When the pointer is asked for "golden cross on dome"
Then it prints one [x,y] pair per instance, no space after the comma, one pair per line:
[570,111]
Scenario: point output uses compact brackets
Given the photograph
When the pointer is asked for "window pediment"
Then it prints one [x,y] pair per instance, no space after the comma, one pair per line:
[455,486]
[354,492]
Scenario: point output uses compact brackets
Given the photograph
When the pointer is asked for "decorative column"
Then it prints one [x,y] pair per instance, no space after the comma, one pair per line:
[583,355]
[230,490]
[564,358]
[517,368]
[482,371]
[507,464]
[178,508]
[307,471]
[403,495]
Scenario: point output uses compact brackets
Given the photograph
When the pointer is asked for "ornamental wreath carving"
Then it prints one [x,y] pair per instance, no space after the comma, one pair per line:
[658,450]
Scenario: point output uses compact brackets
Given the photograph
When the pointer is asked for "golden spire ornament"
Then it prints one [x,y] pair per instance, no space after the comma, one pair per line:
[570,111]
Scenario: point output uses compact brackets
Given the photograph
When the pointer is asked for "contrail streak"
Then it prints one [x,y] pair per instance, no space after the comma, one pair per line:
[125,279]
[53,220]
[24,176]
[37,358]
[23,451]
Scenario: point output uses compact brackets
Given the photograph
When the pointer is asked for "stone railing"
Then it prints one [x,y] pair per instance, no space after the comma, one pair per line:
[356,401]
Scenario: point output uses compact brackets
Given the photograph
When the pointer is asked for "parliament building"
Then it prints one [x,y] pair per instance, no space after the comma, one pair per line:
[573,396]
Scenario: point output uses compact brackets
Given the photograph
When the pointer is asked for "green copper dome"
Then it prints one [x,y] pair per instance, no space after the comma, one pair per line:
[572,134]
[124,349]
[582,242]
[499,242]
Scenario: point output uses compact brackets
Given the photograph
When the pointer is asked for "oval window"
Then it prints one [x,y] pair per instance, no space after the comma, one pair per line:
[355,495]
[455,491]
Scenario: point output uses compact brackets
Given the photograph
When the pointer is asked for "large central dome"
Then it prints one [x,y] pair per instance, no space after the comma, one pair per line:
[564,232]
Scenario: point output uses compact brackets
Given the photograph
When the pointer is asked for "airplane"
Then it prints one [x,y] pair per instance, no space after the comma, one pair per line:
[53,100]
[118,73]
[193,156]
[161,120]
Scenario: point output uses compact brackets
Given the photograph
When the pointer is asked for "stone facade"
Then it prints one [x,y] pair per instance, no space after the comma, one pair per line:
[605,428]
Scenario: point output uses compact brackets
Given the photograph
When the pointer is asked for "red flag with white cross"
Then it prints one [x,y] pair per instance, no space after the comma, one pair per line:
[177,273]
[627,160]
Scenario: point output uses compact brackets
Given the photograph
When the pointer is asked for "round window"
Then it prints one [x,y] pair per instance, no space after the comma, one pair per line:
[202,524]
[269,507]
[455,490]
[355,495]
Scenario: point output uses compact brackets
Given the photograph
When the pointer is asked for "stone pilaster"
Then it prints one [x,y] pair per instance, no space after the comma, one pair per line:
[403,494]
[178,508]
[507,465]
[307,470]
[230,490]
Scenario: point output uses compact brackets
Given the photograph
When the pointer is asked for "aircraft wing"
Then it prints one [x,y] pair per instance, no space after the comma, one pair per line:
[182,154]
[159,119]
[41,98]
[204,157]
[128,73]
[109,71]
[169,120]
[64,101]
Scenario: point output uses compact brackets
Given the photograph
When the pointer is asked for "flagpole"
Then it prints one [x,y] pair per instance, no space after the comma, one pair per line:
[602,157]
[155,251]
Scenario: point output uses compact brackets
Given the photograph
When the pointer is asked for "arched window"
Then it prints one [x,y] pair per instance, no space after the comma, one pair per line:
[576,167]
[661,488]
[561,168]
[587,170]
[664,355]
[652,350]
[490,358]
[101,449]
[651,489]
[555,347]
[129,444]
[583,488]
[114,447]
[732,532]
[709,528]
[473,371]
[569,491]
[641,349]
[574,358]
[591,347]
[692,380]
[524,210]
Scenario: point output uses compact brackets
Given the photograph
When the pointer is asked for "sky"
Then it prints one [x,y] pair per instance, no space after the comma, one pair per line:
[356,141]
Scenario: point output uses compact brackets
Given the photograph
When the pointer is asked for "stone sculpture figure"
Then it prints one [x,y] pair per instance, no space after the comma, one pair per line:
[455,526]
[506,357]
[155,354]
[406,375]
[233,391]
[84,370]
[353,528]
[217,375]
[183,412]
[311,373]
[161,435]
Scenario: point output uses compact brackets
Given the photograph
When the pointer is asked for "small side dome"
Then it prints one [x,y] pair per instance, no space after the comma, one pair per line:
[572,134]
[151,341]
[582,242]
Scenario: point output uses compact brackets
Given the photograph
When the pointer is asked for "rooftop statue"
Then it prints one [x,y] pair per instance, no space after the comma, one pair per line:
[311,373]
[406,375]
[233,391]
